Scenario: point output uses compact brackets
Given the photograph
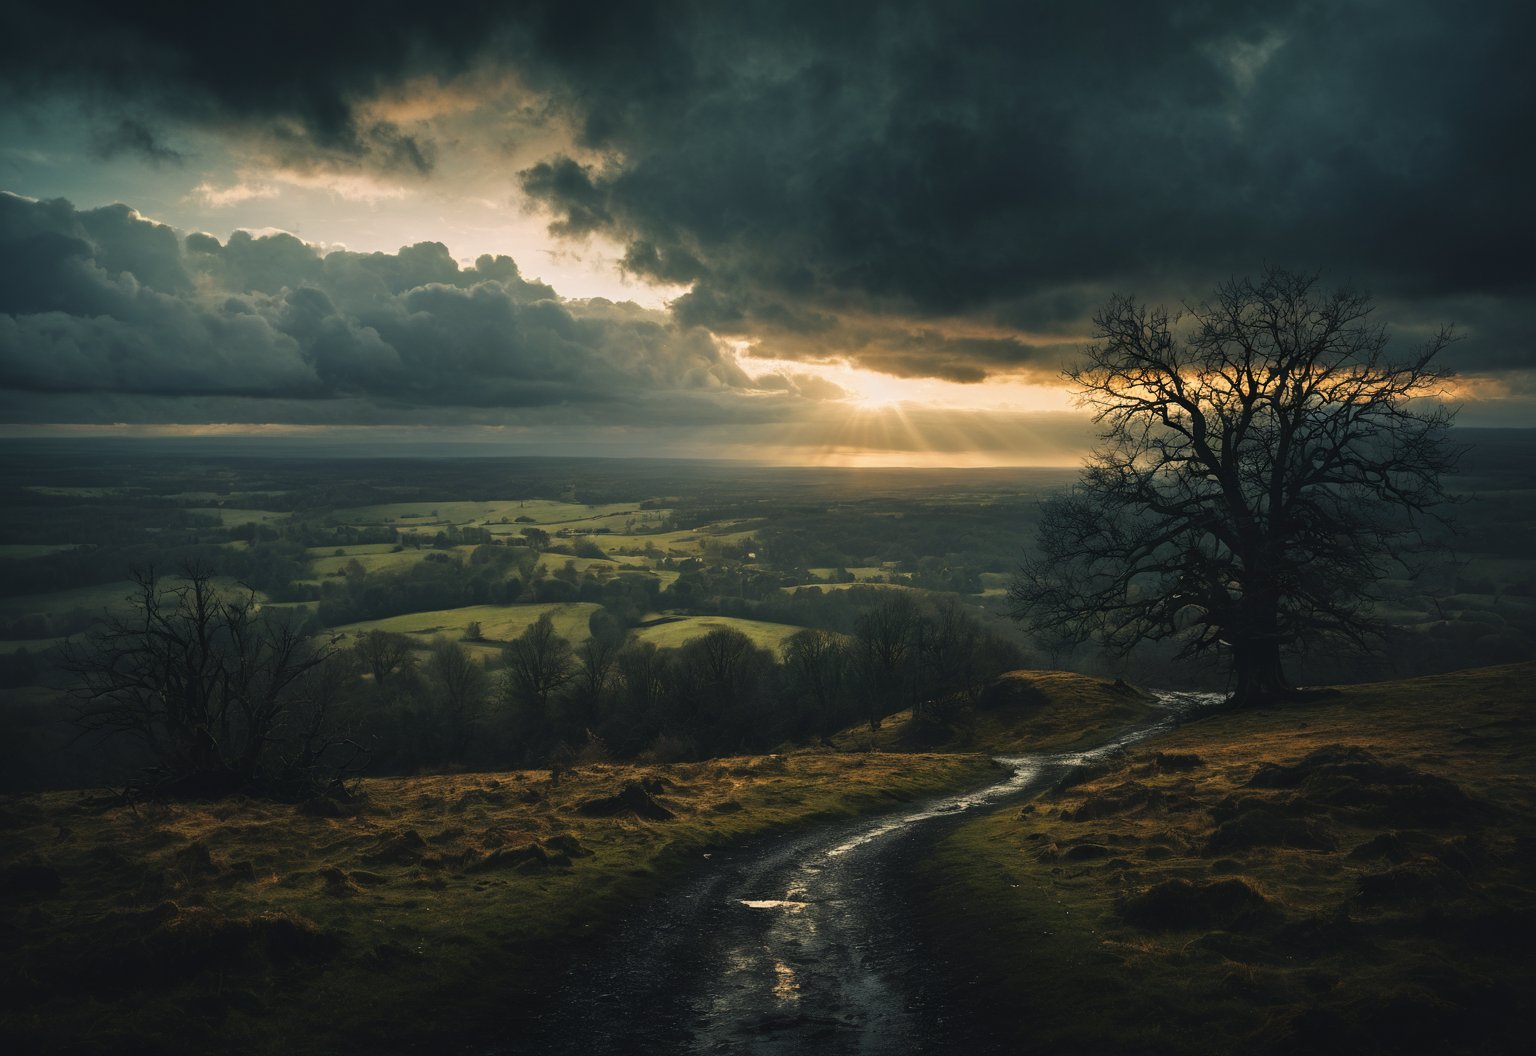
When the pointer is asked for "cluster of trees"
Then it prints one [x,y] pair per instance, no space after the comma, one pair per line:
[491,575]
[547,701]
[222,697]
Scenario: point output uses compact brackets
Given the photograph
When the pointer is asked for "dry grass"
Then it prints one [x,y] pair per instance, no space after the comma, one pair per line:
[1024,711]
[425,915]
[1352,873]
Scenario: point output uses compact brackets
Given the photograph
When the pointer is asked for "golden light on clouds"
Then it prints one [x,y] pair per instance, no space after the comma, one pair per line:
[872,390]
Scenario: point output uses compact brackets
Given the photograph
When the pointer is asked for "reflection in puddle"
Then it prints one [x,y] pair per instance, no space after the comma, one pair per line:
[773,903]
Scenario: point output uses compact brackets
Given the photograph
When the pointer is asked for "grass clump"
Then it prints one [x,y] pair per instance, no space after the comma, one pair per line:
[1354,873]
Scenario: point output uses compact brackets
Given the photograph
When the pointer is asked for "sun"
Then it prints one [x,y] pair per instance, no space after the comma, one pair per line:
[878,392]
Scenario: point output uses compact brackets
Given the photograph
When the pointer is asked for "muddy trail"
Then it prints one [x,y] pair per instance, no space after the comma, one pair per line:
[801,944]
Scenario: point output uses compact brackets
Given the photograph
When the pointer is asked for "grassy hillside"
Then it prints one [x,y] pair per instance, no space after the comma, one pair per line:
[498,623]
[673,632]
[1024,711]
[1352,873]
[420,918]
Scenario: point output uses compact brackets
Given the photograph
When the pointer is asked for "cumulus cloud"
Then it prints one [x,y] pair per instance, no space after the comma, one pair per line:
[106,305]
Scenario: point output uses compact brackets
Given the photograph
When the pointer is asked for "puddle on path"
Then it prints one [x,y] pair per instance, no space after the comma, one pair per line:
[773,903]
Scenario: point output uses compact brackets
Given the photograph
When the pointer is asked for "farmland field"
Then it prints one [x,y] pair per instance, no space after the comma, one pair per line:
[678,631]
[498,623]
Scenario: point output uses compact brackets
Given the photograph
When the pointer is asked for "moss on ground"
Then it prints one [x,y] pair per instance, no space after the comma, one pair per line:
[425,915]
[1355,872]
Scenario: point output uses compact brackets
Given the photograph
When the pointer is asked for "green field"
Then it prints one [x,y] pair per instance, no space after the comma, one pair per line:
[597,566]
[670,544]
[498,623]
[846,586]
[684,629]
[378,557]
[493,512]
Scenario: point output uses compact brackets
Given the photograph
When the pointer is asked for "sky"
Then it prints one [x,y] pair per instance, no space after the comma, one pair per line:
[843,234]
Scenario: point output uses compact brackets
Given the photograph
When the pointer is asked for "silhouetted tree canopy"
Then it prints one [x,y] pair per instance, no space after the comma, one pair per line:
[226,697]
[1263,460]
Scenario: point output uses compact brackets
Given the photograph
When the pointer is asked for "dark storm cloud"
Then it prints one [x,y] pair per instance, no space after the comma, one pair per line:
[105,302]
[294,71]
[806,166]
[135,138]
[1016,163]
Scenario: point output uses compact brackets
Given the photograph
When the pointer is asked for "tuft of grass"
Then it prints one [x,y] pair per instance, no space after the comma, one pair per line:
[1351,872]
[426,914]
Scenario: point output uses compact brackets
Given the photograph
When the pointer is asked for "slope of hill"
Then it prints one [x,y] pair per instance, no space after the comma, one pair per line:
[1356,872]
[1021,711]
[420,917]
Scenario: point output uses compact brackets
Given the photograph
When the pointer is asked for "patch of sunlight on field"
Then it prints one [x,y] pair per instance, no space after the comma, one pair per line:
[554,562]
[995,584]
[680,630]
[498,623]
[667,544]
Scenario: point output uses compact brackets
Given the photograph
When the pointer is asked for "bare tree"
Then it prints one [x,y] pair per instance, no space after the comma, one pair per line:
[596,659]
[205,680]
[816,663]
[459,687]
[538,662]
[384,654]
[1261,463]
[947,646]
[644,675]
[882,656]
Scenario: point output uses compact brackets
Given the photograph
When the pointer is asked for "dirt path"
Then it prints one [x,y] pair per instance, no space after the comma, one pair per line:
[796,945]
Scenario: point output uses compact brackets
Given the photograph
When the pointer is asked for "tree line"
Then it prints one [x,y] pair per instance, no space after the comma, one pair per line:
[222,697]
